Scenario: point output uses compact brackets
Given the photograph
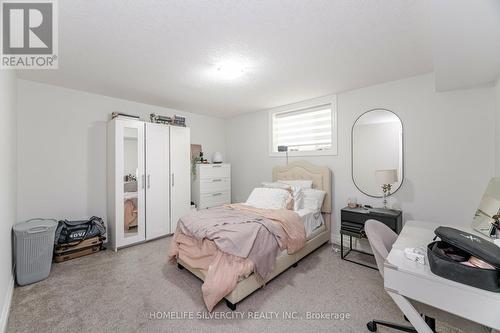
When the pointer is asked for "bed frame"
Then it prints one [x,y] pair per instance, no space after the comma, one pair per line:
[321,177]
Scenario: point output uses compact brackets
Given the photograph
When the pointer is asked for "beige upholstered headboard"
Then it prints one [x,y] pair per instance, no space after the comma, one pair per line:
[321,177]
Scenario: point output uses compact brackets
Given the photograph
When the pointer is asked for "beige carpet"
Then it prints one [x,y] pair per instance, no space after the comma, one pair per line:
[133,291]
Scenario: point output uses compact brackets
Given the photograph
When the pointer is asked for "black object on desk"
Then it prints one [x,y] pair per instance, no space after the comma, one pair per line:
[352,224]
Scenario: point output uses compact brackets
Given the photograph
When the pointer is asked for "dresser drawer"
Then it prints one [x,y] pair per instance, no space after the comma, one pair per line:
[360,219]
[214,171]
[210,185]
[214,199]
[354,217]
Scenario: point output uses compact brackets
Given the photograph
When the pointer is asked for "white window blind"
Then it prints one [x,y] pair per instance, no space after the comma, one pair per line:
[307,129]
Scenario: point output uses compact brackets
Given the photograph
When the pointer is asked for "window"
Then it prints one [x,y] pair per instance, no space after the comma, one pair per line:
[307,128]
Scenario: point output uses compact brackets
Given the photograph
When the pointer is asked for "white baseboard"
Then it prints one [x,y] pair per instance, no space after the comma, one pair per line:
[4,315]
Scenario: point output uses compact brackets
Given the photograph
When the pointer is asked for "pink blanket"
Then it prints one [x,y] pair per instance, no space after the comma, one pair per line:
[229,243]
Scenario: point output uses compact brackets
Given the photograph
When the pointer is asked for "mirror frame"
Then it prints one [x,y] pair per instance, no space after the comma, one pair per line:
[402,152]
[492,232]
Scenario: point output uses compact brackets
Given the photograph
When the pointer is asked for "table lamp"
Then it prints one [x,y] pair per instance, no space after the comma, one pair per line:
[385,178]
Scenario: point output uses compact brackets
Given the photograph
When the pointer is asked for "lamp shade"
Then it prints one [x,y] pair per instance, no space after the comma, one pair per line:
[217,157]
[386,176]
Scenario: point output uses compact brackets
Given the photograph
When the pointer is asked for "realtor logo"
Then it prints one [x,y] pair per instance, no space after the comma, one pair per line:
[29,34]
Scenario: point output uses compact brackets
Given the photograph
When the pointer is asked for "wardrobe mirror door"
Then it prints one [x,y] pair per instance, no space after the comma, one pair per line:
[377,152]
[130,181]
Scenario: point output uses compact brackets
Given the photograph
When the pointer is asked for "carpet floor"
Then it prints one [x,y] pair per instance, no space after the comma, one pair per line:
[136,290]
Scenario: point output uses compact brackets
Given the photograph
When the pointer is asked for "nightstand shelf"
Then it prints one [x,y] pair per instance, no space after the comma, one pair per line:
[352,224]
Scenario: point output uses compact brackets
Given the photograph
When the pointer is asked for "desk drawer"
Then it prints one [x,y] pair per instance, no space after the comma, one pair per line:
[353,227]
[354,217]
[361,218]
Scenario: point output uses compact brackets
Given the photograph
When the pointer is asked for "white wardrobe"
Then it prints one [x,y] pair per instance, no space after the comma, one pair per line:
[148,180]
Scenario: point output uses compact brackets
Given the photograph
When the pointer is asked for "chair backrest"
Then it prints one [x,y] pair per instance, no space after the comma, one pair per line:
[381,239]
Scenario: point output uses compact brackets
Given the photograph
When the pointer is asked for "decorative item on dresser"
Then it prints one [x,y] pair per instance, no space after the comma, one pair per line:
[385,178]
[352,223]
[146,161]
[196,149]
[217,158]
[212,185]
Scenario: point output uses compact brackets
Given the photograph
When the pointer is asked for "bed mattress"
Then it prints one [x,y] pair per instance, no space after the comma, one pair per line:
[312,220]
[313,223]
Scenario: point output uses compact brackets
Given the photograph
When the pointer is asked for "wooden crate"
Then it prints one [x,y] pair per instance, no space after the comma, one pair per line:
[63,248]
[68,255]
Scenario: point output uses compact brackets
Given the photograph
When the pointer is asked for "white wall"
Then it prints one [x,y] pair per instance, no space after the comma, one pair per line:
[62,148]
[8,160]
[449,144]
[497,141]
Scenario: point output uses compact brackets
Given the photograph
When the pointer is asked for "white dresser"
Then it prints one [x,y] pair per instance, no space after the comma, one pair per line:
[211,186]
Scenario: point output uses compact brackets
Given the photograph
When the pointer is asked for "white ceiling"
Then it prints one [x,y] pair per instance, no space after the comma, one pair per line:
[160,52]
[466,43]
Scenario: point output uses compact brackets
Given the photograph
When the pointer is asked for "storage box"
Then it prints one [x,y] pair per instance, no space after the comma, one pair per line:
[76,253]
[62,248]
[65,252]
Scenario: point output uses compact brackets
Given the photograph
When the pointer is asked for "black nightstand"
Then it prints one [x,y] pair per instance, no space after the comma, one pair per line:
[352,224]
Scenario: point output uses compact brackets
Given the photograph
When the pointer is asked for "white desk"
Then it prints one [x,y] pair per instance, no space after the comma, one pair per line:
[405,279]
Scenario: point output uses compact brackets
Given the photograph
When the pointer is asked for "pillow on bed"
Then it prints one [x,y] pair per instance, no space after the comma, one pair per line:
[270,198]
[303,184]
[296,191]
[275,185]
[313,199]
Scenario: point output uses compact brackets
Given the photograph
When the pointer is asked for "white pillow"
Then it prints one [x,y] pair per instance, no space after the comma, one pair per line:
[298,197]
[269,198]
[313,199]
[303,184]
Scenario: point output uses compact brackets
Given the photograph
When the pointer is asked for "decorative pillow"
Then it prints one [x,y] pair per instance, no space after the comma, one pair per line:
[313,199]
[270,198]
[298,197]
[303,184]
[295,190]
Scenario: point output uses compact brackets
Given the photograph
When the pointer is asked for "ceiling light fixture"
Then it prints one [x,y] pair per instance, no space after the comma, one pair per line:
[229,70]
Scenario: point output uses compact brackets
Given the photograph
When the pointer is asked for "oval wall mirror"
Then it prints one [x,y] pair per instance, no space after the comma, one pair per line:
[377,152]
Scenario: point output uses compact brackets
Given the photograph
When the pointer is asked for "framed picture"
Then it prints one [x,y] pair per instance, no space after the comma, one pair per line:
[195,151]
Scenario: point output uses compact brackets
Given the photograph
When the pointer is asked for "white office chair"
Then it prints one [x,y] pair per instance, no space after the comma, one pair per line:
[381,239]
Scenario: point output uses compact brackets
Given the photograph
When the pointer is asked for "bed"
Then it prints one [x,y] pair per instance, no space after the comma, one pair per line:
[299,170]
